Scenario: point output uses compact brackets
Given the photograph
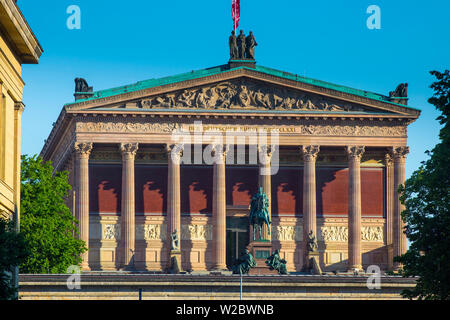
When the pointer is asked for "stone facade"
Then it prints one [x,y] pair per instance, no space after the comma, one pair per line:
[18,46]
[131,157]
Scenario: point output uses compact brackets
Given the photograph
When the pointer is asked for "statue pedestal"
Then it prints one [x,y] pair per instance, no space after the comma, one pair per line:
[260,251]
[242,63]
[175,262]
[313,263]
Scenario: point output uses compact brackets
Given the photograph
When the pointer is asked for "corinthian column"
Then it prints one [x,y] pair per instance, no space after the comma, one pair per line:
[309,193]
[173,189]
[388,162]
[127,213]
[83,150]
[219,207]
[399,179]
[354,154]
[265,156]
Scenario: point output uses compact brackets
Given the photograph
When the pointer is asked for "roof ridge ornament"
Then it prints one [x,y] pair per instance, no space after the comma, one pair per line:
[400,95]
[82,89]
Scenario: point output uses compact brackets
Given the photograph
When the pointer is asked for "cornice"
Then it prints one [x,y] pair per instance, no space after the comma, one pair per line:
[246,73]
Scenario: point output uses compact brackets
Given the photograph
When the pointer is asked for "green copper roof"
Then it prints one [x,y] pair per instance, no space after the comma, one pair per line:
[141,85]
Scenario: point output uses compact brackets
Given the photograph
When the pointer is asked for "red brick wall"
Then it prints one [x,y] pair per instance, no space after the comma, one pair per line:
[372,192]
[287,186]
[241,184]
[105,188]
[332,191]
[151,188]
[196,183]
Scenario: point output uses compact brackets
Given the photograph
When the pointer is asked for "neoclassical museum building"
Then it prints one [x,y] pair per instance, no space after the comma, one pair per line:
[185,154]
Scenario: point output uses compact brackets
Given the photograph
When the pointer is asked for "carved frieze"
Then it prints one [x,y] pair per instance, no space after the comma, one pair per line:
[111,232]
[196,232]
[373,233]
[126,127]
[340,233]
[334,233]
[246,94]
[287,233]
[356,128]
[151,232]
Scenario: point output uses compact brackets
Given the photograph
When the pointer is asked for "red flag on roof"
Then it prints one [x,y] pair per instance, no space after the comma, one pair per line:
[236,12]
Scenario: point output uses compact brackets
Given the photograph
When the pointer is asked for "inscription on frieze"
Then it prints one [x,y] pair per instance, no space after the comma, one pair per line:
[138,127]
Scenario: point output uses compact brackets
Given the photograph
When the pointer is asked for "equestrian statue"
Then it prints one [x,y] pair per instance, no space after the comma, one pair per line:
[259,213]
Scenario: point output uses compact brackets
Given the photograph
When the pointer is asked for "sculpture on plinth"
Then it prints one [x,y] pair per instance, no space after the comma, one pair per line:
[244,263]
[312,242]
[175,243]
[400,92]
[234,52]
[242,47]
[259,213]
[81,85]
[250,44]
[274,262]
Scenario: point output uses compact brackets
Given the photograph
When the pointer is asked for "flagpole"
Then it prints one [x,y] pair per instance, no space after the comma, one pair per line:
[234,19]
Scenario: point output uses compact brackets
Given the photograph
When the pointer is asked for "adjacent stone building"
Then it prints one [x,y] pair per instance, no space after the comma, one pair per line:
[18,45]
[186,153]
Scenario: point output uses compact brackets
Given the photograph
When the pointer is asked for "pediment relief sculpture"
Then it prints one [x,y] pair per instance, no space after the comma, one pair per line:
[245,94]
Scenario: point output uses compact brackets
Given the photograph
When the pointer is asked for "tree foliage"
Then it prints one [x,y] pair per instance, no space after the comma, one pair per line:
[49,227]
[426,196]
[12,252]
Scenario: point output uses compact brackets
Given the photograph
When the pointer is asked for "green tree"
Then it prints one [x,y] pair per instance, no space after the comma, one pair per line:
[12,252]
[49,227]
[426,196]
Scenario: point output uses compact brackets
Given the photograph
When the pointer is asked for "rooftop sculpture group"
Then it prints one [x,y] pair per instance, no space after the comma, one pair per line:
[400,92]
[242,47]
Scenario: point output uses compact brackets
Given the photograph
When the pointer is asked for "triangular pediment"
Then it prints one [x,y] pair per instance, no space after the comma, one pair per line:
[240,91]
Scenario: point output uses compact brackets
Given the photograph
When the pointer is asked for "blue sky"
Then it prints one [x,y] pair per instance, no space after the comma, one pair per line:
[124,42]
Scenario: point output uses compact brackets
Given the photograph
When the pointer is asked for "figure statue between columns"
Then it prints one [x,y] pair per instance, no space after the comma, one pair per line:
[259,213]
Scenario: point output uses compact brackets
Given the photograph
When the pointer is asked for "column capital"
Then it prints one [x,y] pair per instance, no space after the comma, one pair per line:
[129,149]
[400,152]
[220,151]
[355,152]
[19,106]
[83,149]
[265,153]
[310,153]
[388,160]
[175,152]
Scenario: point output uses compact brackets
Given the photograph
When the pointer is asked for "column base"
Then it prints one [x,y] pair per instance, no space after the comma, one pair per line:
[85,267]
[175,262]
[356,269]
[128,268]
[312,263]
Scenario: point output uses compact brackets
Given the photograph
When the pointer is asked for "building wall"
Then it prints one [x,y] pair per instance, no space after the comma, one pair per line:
[18,45]
[11,89]
[241,184]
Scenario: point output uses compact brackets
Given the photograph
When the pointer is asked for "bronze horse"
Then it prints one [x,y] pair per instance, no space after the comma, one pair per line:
[259,213]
